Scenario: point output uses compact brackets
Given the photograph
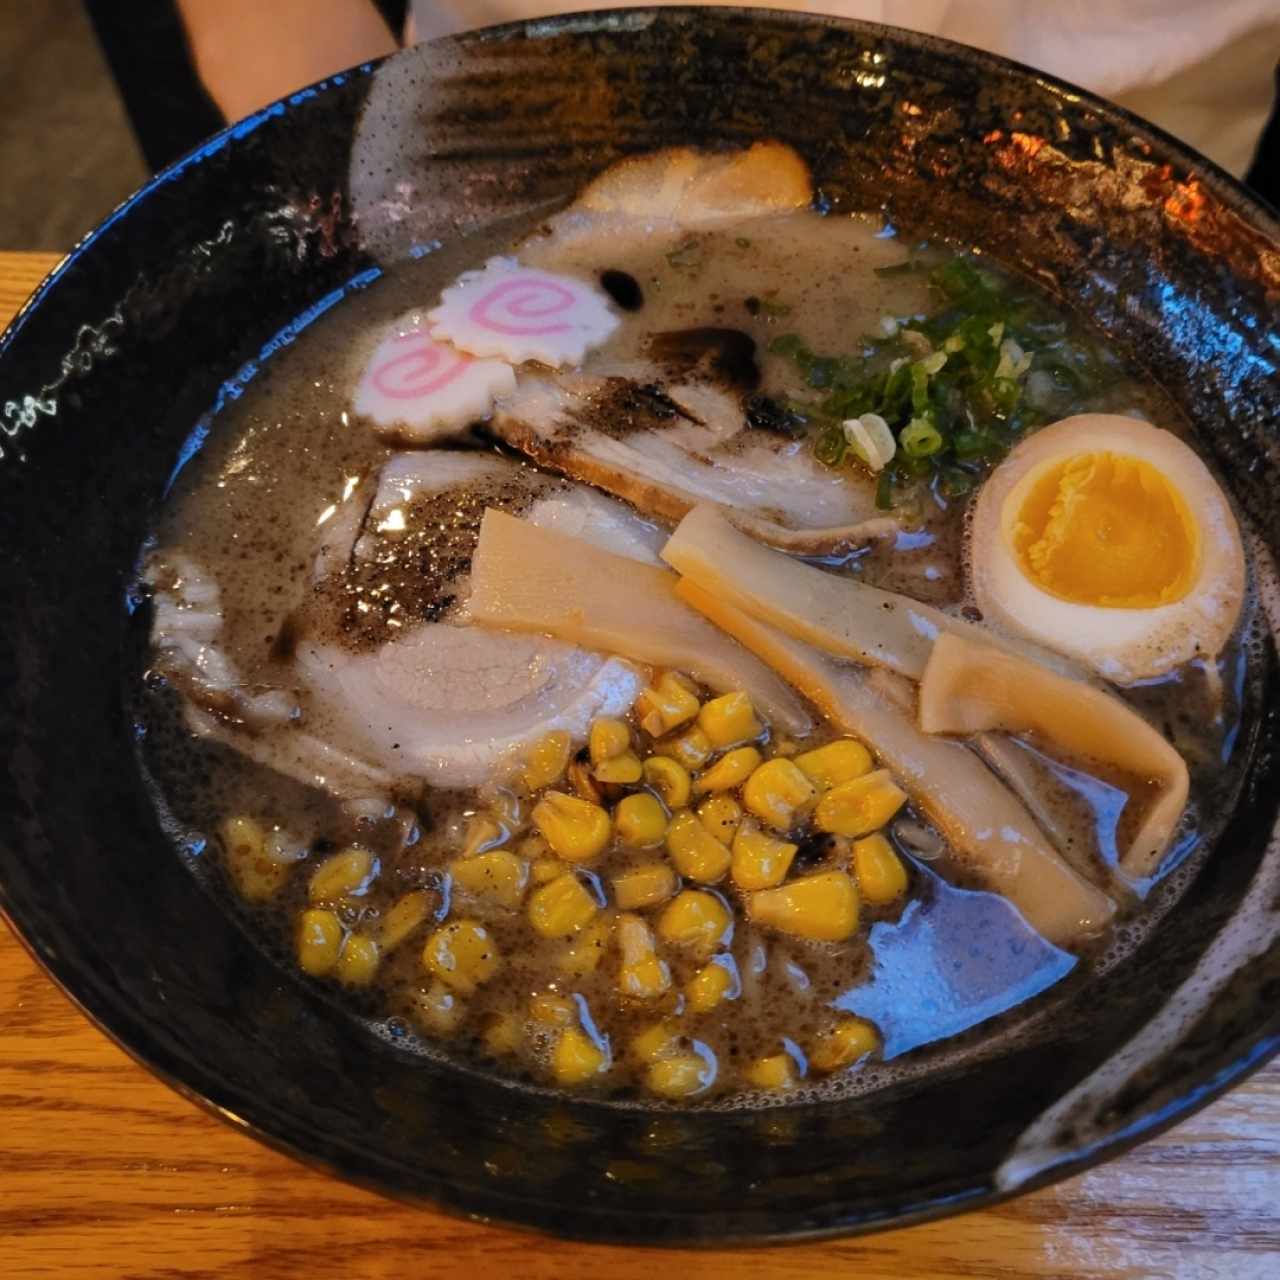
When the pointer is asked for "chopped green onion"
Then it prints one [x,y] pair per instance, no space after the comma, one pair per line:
[920,438]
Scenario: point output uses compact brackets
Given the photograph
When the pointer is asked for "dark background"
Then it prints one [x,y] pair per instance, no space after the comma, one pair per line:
[95,95]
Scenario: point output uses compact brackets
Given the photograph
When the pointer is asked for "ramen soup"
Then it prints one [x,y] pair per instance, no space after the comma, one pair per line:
[697,649]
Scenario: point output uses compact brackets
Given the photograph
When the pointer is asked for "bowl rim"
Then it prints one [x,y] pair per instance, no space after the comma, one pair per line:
[1196,1089]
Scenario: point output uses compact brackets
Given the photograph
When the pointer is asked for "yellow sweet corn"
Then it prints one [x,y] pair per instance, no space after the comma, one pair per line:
[670,779]
[582,955]
[697,920]
[667,704]
[692,749]
[358,962]
[760,861]
[640,820]
[576,830]
[546,869]
[503,1035]
[843,1044]
[403,917]
[777,1071]
[697,854]
[608,738]
[680,1076]
[343,875]
[720,814]
[462,954]
[778,793]
[547,760]
[729,720]
[319,940]
[624,769]
[710,985]
[437,1010]
[822,907]
[835,763]
[483,832]
[552,1010]
[498,875]
[561,907]
[254,873]
[860,806]
[582,783]
[644,886]
[577,1058]
[655,1042]
[730,771]
[642,975]
[881,876]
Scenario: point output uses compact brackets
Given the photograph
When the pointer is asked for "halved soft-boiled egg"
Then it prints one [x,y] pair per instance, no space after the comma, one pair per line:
[1107,539]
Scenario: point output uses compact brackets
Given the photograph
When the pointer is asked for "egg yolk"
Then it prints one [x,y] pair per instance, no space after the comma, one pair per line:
[1104,529]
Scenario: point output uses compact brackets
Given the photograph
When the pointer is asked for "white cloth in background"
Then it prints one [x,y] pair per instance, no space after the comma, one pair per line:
[1201,69]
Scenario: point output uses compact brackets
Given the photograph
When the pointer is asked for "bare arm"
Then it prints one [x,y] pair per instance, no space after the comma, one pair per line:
[250,52]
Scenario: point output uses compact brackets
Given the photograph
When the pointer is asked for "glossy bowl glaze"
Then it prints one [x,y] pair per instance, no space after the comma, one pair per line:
[171,306]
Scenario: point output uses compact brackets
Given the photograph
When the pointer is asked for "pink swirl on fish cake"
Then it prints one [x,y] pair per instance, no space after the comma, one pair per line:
[525,299]
[422,368]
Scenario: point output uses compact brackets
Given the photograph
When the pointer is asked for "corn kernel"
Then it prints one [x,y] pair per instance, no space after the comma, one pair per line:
[655,1042]
[497,875]
[545,870]
[344,875]
[403,918]
[881,876]
[782,746]
[695,919]
[681,1076]
[860,806]
[698,855]
[729,719]
[582,955]
[319,940]
[822,907]
[777,1071]
[642,975]
[672,700]
[608,738]
[624,769]
[760,861]
[731,770]
[546,760]
[462,954]
[640,820]
[720,814]
[710,985]
[576,830]
[670,779]
[438,1011]
[692,749]
[644,886]
[843,1044]
[777,793]
[552,1010]
[358,962]
[256,875]
[582,783]
[483,832]
[503,1035]
[561,907]
[577,1058]
[835,763]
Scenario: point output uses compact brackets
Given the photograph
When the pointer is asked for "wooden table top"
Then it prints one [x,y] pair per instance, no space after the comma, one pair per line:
[104,1172]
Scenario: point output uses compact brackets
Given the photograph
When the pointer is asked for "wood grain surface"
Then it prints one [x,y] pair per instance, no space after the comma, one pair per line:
[106,1173]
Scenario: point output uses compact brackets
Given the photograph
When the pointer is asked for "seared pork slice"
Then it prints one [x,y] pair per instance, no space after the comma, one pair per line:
[667,446]
[385,687]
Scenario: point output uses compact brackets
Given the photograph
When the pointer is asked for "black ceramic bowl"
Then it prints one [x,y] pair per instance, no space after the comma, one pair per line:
[168,308]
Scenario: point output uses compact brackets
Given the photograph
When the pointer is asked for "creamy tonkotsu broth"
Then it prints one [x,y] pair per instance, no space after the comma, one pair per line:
[460,811]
